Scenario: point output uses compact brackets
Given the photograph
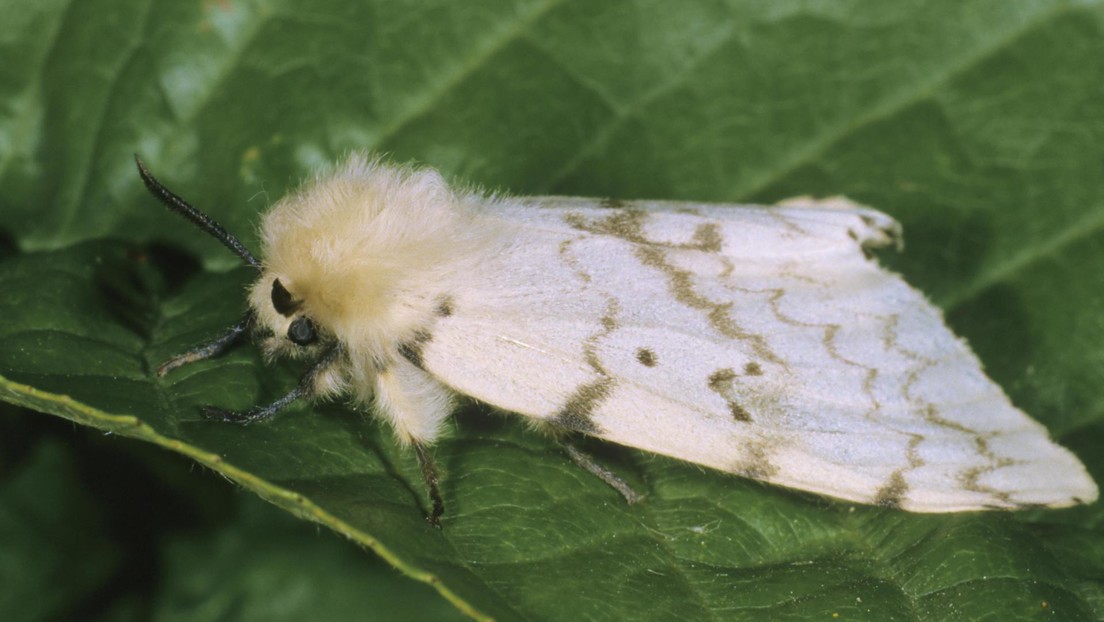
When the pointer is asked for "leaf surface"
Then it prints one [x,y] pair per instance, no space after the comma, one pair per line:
[977,125]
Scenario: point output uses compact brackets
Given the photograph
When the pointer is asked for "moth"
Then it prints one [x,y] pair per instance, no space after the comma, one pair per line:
[761,341]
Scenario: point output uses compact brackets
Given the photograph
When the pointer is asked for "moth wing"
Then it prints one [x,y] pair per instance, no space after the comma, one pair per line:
[758,341]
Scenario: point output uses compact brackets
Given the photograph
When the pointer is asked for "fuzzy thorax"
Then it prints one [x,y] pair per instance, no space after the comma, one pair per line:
[364,252]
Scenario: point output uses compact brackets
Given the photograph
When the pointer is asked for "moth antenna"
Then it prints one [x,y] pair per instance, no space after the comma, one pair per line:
[198,218]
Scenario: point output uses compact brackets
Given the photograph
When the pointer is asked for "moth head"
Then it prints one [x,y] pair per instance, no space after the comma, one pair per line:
[284,320]
[346,254]
[279,314]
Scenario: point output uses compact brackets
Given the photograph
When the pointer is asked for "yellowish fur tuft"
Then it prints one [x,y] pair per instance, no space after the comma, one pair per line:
[369,251]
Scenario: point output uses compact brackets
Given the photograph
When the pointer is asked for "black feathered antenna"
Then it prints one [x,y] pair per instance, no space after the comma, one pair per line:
[198,218]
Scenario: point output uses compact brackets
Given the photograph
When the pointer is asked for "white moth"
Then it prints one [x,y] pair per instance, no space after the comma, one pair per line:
[760,341]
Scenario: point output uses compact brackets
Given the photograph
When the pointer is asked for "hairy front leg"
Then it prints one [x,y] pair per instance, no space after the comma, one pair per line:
[416,405]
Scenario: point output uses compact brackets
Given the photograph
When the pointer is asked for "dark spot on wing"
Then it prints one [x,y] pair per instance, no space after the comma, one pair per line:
[720,382]
[578,413]
[753,369]
[282,301]
[412,350]
[721,378]
[890,495]
[612,203]
[739,413]
[707,238]
[757,465]
[646,357]
[444,307]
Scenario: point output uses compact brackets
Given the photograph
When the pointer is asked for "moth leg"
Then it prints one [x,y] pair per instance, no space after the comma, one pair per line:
[212,348]
[432,479]
[582,459]
[416,405]
[305,388]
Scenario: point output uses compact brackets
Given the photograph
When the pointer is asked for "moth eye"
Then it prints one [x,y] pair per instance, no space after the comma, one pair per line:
[301,332]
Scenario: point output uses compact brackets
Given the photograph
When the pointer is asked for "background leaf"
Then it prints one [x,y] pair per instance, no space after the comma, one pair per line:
[977,124]
[97,528]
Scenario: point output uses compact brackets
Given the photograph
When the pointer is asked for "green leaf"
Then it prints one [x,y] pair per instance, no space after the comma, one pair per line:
[115,529]
[977,124]
[50,529]
[264,566]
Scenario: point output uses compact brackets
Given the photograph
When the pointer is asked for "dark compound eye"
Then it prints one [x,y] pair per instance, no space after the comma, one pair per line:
[301,332]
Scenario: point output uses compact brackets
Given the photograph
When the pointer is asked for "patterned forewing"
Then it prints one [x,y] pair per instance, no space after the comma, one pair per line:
[758,341]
